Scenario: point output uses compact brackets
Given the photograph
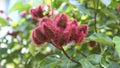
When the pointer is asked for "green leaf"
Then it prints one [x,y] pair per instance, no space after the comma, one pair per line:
[50,62]
[110,14]
[3,51]
[114,65]
[112,24]
[80,6]
[106,2]
[39,57]
[57,3]
[100,37]
[20,7]
[95,58]
[32,49]
[116,40]
[3,21]
[54,65]
[36,3]
[86,64]
[66,63]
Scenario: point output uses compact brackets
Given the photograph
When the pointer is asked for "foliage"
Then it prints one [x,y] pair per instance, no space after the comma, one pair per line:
[100,49]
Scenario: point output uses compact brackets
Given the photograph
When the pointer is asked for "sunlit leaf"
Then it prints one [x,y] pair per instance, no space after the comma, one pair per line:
[110,14]
[100,37]
[32,49]
[106,2]
[20,6]
[3,21]
[36,3]
[116,40]
[80,6]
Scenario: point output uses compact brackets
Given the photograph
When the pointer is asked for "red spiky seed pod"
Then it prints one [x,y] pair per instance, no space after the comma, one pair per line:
[61,20]
[14,33]
[83,28]
[38,36]
[48,27]
[35,39]
[1,11]
[70,30]
[22,14]
[37,12]
[118,8]
[59,40]
[79,34]
[92,44]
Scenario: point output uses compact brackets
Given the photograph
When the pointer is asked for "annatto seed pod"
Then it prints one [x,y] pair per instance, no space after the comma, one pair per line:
[59,39]
[78,37]
[22,14]
[61,20]
[80,33]
[38,36]
[35,39]
[48,27]
[40,11]
[70,30]
[8,18]
[35,21]
[73,23]
[84,28]
[37,12]
[14,33]
[34,13]
[1,11]
[92,43]
[118,8]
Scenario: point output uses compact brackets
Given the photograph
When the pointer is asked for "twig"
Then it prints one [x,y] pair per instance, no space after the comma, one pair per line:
[70,57]
[95,20]
[95,14]
[83,54]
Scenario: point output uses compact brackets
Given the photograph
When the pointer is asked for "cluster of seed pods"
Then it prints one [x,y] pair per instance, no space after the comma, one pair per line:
[59,30]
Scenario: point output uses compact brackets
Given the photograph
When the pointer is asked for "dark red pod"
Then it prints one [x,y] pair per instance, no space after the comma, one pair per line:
[92,43]
[73,22]
[118,8]
[61,20]
[49,32]
[59,39]
[34,13]
[79,37]
[70,30]
[8,18]
[34,21]
[22,14]
[14,33]
[83,28]
[79,34]
[35,39]
[37,12]
[40,11]
[48,27]
[1,11]
[38,36]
